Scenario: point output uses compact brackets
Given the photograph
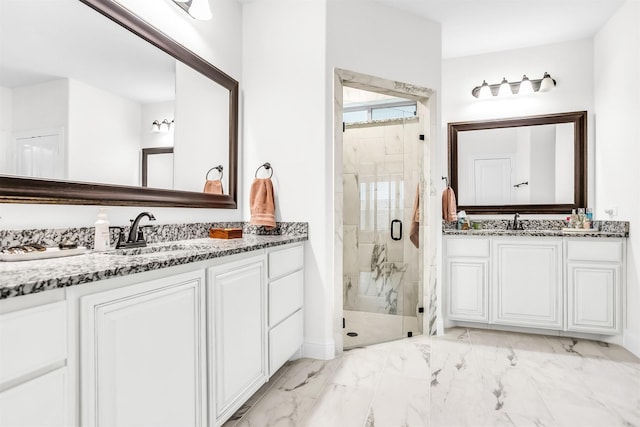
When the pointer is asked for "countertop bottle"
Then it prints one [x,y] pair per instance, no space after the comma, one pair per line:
[574,219]
[101,238]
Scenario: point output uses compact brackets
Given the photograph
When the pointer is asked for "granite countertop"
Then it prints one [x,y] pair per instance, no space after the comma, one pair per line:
[26,277]
[538,228]
[532,233]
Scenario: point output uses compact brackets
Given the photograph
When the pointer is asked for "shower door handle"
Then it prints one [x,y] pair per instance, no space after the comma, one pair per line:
[396,229]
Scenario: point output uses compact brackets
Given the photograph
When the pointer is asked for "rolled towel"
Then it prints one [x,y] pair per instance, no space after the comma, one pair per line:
[449,208]
[213,186]
[262,203]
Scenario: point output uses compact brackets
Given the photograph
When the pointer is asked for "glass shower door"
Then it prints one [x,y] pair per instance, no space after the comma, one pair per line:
[380,263]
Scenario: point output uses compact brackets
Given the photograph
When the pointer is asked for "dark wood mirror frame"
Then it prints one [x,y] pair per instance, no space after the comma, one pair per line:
[578,118]
[28,190]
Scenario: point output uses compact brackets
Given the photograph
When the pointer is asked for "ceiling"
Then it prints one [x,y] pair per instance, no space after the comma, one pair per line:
[471,27]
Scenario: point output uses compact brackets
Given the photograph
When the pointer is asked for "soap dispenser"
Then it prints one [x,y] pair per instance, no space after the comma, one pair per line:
[101,238]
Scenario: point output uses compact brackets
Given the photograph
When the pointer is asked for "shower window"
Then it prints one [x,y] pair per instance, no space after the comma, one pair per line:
[379,110]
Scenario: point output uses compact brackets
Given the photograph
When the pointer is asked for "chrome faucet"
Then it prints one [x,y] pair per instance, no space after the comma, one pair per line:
[135,238]
[515,225]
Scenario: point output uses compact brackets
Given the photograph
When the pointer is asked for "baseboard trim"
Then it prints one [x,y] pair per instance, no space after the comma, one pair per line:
[325,350]
[631,342]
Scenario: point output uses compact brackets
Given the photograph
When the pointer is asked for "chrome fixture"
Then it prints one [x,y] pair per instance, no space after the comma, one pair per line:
[161,126]
[197,9]
[506,88]
[136,238]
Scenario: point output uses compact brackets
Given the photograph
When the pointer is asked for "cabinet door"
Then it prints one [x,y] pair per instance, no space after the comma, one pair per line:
[39,402]
[237,307]
[142,354]
[527,277]
[593,295]
[467,290]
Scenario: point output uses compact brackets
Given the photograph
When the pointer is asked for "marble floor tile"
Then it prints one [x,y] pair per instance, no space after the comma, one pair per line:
[466,377]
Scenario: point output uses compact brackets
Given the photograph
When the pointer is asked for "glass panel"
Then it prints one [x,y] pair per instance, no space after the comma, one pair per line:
[354,116]
[381,271]
[397,112]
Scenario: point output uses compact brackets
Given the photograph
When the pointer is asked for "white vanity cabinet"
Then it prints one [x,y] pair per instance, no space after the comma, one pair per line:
[467,276]
[286,298]
[142,354]
[594,285]
[236,304]
[527,282]
[566,284]
[33,371]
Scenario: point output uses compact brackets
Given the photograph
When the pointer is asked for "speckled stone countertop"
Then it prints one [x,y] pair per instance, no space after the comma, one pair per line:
[539,228]
[27,277]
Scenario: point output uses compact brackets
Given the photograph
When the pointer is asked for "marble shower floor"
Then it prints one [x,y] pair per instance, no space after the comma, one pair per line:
[468,377]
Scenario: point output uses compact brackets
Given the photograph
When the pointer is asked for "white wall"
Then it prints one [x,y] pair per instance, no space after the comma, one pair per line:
[284,94]
[219,41]
[570,64]
[290,50]
[617,109]
[6,117]
[103,136]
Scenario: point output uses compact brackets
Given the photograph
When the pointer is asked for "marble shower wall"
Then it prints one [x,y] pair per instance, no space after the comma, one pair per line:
[381,173]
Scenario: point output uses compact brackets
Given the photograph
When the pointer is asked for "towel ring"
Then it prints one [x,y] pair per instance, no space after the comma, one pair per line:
[267,166]
[218,168]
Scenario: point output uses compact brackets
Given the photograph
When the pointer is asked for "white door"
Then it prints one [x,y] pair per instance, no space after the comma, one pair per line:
[492,181]
[236,297]
[527,277]
[592,297]
[39,154]
[467,289]
[142,354]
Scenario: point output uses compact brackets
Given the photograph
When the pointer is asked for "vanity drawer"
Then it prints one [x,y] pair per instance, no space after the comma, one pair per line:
[579,249]
[32,339]
[468,247]
[284,340]
[285,261]
[285,296]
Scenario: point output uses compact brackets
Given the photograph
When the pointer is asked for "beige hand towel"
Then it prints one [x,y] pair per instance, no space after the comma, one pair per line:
[262,203]
[213,186]
[414,230]
[449,208]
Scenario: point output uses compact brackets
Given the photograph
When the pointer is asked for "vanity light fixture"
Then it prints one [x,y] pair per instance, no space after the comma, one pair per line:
[505,88]
[197,9]
[161,126]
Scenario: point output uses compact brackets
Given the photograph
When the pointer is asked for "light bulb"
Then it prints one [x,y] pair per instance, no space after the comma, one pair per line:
[525,86]
[155,126]
[485,91]
[164,126]
[200,10]
[505,88]
[547,83]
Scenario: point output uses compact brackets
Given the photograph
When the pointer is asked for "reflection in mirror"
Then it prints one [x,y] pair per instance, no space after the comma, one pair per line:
[518,165]
[79,94]
[157,167]
[527,165]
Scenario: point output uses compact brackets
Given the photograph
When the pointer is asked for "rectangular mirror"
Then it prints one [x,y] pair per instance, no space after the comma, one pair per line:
[531,164]
[79,96]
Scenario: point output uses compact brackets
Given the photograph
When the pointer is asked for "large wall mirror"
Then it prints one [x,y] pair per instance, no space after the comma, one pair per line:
[82,83]
[534,164]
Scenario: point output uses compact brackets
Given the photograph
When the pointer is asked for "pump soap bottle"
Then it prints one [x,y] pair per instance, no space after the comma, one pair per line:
[101,238]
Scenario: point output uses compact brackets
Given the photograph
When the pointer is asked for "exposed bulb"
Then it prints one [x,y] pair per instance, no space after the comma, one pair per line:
[155,126]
